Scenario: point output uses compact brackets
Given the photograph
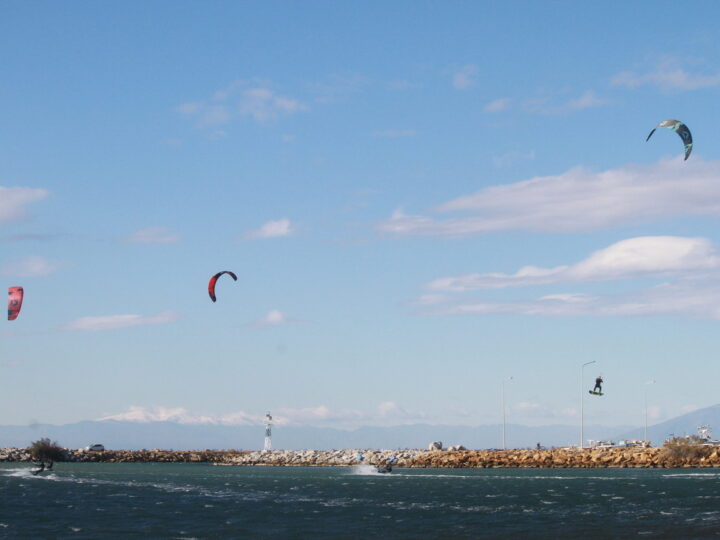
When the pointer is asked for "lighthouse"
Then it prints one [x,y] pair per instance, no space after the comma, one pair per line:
[268,432]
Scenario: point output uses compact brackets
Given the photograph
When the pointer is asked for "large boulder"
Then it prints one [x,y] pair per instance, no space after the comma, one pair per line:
[435,445]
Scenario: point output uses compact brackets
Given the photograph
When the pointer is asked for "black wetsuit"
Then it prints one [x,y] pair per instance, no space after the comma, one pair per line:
[598,385]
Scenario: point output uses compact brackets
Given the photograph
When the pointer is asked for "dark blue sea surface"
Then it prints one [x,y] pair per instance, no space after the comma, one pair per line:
[94,500]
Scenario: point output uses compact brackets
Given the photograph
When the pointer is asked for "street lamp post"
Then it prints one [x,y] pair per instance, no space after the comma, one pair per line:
[582,402]
[502,393]
[646,409]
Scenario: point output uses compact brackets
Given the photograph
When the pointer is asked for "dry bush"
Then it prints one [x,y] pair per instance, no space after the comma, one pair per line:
[44,450]
[684,448]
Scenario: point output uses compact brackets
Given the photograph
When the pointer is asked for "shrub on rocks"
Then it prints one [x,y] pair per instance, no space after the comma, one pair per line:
[685,448]
[45,450]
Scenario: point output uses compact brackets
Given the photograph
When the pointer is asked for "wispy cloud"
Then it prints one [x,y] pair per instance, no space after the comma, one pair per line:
[647,256]
[113,322]
[30,237]
[273,318]
[272,229]
[465,77]
[14,201]
[696,299]
[577,200]
[262,104]
[180,415]
[587,100]
[153,235]
[550,106]
[32,266]
[498,105]
[338,87]
[668,76]
[254,99]
[385,413]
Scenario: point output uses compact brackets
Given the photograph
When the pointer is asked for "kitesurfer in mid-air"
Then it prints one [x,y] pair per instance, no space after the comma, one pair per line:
[598,385]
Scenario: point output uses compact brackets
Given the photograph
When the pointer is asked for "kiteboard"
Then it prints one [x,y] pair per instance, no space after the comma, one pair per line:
[596,393]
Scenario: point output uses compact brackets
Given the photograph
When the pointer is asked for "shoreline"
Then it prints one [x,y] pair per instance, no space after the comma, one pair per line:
[456,459]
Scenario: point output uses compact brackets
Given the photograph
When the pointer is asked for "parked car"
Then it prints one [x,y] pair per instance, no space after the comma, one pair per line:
[95,448]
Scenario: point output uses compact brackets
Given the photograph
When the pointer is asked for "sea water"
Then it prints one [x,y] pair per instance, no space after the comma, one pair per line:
[96,500]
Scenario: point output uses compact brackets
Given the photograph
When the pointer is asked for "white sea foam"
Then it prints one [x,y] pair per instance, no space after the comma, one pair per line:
[364,470]
[692,475]
[28,473]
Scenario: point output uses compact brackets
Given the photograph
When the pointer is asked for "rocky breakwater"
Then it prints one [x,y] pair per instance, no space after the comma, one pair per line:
[554,458]
[152,456]
[566,458]
[128,456]
[14,454]
[322,458]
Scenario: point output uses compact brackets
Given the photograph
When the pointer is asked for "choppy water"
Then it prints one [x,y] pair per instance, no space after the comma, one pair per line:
[91,500]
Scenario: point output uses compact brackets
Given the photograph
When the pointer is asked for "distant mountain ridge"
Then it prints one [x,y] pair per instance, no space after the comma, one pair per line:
[170,435]
[685,424]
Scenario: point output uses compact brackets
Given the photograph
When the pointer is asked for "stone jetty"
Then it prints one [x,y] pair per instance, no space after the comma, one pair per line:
[617,457]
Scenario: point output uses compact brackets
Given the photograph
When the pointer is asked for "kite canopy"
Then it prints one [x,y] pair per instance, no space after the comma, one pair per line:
[681,129]
[15,298]
[213,280]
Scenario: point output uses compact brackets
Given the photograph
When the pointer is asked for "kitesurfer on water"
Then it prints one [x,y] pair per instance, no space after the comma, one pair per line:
[598,384]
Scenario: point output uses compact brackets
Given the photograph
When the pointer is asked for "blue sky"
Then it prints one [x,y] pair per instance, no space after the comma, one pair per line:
[420,199]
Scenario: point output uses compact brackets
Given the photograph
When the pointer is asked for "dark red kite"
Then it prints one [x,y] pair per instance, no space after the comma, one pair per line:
[15,298]
[213,280]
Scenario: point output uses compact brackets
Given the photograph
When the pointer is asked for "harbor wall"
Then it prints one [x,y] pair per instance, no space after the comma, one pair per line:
[551,458]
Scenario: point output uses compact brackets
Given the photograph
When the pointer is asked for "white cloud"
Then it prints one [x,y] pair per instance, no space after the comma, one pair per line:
[586,101]
[153,235]
[431,300]
[273,318]
[498,105]
[180,415]
[577,200]
[262,104]
[550,106]
[272,229]
[254,99]
[385,413]
[112,322]
[13,201]
[32,266]
[668,76]
[696,299]
[388,413]
[465,77]
[635,257]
